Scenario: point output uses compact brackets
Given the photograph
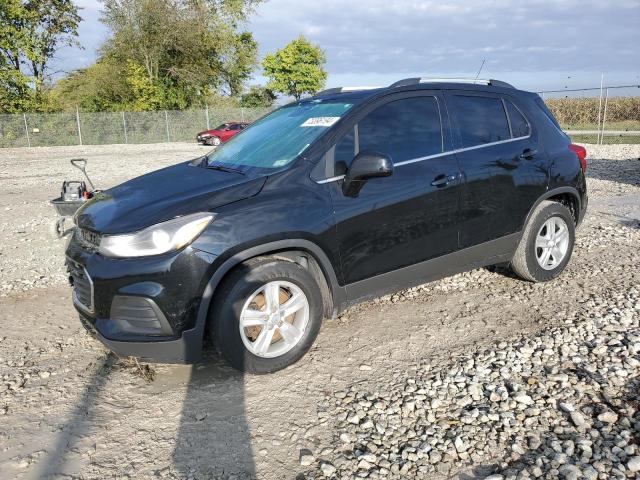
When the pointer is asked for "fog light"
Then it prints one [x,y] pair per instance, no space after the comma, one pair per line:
[138,315]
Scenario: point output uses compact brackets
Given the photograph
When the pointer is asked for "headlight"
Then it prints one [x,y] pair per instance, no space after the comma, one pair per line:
[156,239]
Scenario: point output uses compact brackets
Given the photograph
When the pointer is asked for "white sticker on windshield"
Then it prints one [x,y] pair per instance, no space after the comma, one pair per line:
[320,121]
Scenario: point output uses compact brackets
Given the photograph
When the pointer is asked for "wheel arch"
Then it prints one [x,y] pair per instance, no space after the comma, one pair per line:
[568,196]
[290,250]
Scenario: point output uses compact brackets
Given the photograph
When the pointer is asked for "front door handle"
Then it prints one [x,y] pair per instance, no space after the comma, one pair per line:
[443,180]
[528,154]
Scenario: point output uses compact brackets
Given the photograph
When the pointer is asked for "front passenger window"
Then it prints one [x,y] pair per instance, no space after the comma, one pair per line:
[344,153]
[404,129]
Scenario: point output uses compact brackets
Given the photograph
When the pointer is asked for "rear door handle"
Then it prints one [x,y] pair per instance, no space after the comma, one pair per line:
[528,154]
[443,180]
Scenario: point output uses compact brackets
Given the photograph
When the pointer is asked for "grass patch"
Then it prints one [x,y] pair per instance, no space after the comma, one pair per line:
[608,139]
[633,125]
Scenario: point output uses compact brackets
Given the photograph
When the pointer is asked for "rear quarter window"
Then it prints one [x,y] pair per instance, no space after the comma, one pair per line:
[519,124]
[480,120]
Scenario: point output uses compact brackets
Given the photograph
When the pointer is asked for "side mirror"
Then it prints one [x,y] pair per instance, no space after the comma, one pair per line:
[364,166]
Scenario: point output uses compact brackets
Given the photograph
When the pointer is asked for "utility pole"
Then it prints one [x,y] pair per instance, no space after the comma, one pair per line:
[26,129]
[78,121]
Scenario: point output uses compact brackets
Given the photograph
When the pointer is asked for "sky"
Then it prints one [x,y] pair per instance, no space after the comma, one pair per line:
[534,44]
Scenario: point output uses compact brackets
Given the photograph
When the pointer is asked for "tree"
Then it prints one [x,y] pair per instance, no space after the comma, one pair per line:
[31,32]
[177,53]
[296,69]
[257,97]
[102,86]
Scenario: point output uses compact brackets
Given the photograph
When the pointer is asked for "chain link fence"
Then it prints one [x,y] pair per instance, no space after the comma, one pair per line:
[589,115]
[606,114]
[103,128]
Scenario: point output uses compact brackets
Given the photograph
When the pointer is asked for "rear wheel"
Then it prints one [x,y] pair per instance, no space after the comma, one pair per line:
[546,244]
[267,314]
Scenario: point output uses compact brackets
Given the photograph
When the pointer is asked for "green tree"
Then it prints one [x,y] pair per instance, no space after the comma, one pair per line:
[186,51]
[31,32]
[102,86]
[257,97]
[296,69]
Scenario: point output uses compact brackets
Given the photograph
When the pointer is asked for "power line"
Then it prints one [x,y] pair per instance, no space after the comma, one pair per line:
[587,89]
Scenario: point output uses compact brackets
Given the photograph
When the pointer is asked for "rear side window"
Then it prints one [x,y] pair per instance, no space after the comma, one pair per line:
[403,129]
[519,124]
[480,120]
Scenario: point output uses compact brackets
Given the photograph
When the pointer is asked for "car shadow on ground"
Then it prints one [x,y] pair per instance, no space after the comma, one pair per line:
[78,424]
[214,438]
[631,223]
[620,171]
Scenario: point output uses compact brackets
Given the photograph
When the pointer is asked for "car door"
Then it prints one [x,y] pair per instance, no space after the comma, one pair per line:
[410,216]
[229,131]
[502,168]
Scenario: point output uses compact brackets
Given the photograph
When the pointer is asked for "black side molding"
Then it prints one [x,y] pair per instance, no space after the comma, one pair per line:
[488,253]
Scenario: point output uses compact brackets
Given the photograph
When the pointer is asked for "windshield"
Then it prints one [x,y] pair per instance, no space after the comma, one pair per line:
[277,139]
[222,127]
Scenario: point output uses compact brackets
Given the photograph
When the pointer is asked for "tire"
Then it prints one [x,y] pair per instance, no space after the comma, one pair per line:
[213,141]
[235,295]
[545,228]
[57,228]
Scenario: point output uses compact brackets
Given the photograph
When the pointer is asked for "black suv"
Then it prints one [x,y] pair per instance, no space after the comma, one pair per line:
[337,198]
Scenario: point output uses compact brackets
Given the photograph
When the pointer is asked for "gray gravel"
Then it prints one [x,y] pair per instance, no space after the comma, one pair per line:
[562,404]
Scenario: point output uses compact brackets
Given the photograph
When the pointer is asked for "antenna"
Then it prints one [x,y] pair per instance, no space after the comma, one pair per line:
[480,69]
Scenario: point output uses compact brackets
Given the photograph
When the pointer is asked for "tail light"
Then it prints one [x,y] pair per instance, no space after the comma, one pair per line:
[581,152]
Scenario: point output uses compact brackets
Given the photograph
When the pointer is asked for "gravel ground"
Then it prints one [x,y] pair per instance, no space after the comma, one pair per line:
[479,375]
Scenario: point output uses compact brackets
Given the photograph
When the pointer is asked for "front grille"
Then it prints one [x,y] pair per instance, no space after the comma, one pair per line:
[82,286]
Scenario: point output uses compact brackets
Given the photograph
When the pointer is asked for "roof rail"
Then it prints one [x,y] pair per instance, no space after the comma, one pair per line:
[334,90]
[474,81]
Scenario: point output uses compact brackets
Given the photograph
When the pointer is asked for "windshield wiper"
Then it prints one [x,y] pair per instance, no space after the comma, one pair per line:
[216,166]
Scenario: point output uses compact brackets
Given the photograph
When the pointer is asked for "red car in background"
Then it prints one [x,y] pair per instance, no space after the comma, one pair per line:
[220,134]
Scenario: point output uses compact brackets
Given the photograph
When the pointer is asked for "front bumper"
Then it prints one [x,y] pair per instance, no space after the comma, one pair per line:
[186,349]
[143,307]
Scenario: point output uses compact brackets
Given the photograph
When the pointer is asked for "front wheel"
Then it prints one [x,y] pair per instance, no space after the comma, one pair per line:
[546,244]
[213,141]
[266,315]
[58,227]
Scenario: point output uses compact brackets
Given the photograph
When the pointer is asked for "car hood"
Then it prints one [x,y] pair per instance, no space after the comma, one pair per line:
[162,195]
[211,132]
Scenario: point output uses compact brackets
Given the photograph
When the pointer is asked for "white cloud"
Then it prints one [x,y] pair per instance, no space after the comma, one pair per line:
[369,40]
[377,36]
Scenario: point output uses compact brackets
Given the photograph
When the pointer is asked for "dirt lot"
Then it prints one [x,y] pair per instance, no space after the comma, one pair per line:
[68,408]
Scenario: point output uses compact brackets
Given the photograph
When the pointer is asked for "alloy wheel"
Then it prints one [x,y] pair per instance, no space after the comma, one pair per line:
[552,243]
[274,319]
